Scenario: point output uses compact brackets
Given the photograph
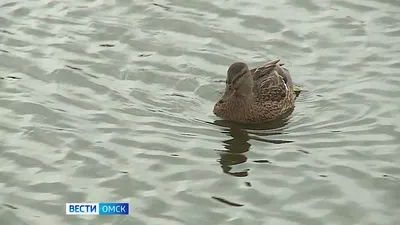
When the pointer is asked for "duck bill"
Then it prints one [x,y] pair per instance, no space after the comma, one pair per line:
[228,93]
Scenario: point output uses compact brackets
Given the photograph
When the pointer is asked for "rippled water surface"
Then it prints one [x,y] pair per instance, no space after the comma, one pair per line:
[112,101]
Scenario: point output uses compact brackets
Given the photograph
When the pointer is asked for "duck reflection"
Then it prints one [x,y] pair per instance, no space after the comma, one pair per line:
[234,151]
[238,144]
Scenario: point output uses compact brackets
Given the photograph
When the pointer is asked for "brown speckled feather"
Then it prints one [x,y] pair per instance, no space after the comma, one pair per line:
[272,96]
[270,82]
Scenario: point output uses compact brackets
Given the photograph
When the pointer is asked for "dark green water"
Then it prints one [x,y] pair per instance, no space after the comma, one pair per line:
[111,101]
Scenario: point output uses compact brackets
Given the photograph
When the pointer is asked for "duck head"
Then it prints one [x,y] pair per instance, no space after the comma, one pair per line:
[239,82]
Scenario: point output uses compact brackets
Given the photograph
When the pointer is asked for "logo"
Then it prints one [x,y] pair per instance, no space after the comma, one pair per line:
[101,208]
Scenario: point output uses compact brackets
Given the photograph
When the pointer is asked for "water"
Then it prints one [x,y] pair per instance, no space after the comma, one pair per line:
[112,101]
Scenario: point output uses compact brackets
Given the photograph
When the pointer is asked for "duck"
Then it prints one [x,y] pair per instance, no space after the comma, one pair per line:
[257,95]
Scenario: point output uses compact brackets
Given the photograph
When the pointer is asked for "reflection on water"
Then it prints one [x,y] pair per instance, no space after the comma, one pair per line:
[235,148]
[227,202]
[234,153]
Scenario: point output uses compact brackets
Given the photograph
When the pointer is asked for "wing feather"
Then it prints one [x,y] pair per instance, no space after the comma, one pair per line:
[271,81]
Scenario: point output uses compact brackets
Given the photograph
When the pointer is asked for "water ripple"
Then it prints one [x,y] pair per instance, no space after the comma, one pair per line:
[112,101]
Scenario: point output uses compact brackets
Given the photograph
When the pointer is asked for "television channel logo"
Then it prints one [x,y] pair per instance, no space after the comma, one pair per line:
[102,208]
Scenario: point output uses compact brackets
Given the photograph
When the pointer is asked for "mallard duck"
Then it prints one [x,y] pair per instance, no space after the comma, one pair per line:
[258,95]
